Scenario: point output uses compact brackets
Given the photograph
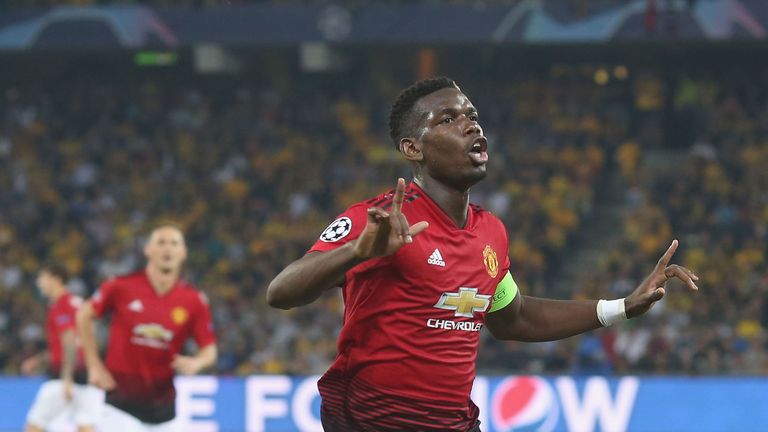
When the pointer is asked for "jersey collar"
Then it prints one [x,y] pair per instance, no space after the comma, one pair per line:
[441,215]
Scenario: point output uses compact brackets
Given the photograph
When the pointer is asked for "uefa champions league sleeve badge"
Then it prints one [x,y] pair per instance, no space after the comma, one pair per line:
[337,230]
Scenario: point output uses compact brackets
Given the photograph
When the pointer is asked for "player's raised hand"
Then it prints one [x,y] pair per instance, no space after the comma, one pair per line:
[652,289]
[99,376]
[386,232]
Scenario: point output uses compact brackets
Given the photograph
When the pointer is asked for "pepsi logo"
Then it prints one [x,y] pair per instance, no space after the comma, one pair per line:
[525,403]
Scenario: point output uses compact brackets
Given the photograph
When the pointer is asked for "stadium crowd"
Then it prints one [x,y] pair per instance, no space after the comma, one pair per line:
[254,169]
[712,196]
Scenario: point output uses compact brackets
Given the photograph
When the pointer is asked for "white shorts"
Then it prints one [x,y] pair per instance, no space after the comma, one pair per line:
[115,419]
[84,409]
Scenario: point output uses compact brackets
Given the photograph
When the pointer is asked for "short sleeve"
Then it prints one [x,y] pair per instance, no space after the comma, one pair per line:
[202,329]
[103,300]
[346,227]
[63,319]
[64,316]
[505,268]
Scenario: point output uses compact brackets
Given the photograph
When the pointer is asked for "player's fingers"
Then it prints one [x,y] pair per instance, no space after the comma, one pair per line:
[676,271]
[184,368]
[109,380]
[397,201]
[657,295]
[102,383]
[377,215]
[396,225]
[689,272]
[664,260]
[417,228]
[403,228]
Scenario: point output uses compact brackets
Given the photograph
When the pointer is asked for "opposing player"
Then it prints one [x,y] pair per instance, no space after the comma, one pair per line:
[153,314]
[416,296]
[67,388]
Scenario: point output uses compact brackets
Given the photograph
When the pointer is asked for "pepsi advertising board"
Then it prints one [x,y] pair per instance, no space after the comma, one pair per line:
[278,403]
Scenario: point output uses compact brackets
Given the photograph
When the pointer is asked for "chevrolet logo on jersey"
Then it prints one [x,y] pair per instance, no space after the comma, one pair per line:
[465,302]
[153,331]
[152,335]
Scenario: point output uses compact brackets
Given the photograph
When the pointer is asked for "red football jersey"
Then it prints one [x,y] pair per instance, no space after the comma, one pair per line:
[408,345]
[146,332]
[61,317]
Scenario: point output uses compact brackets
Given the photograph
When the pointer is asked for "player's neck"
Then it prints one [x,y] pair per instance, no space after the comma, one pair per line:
[57,293]
[162,282]
[453,202]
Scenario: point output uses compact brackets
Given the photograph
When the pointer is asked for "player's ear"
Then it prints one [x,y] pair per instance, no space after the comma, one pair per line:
[411,149]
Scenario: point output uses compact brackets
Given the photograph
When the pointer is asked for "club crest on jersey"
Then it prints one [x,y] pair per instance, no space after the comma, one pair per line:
[337,230]
[490,261]
[179,315]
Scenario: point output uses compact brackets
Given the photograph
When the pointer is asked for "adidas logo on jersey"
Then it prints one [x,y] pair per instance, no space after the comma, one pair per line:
[136,306]
[436,259]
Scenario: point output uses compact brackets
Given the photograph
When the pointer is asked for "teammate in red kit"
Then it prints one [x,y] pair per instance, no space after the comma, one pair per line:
[416,296]
[153,315]
[67,388]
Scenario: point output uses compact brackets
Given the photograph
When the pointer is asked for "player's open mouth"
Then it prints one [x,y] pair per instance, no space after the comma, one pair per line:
[478,153]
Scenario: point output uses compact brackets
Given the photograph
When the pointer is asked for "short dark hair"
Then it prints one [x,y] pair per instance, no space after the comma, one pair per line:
[56,270]
[166,223]
[401,119]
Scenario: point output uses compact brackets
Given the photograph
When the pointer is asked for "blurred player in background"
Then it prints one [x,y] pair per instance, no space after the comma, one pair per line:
[153,314]
[67,389]
[416,296]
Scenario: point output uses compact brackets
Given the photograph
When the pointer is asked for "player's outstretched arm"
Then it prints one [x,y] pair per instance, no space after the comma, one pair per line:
[98,374]
[534,319]
[305,279]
